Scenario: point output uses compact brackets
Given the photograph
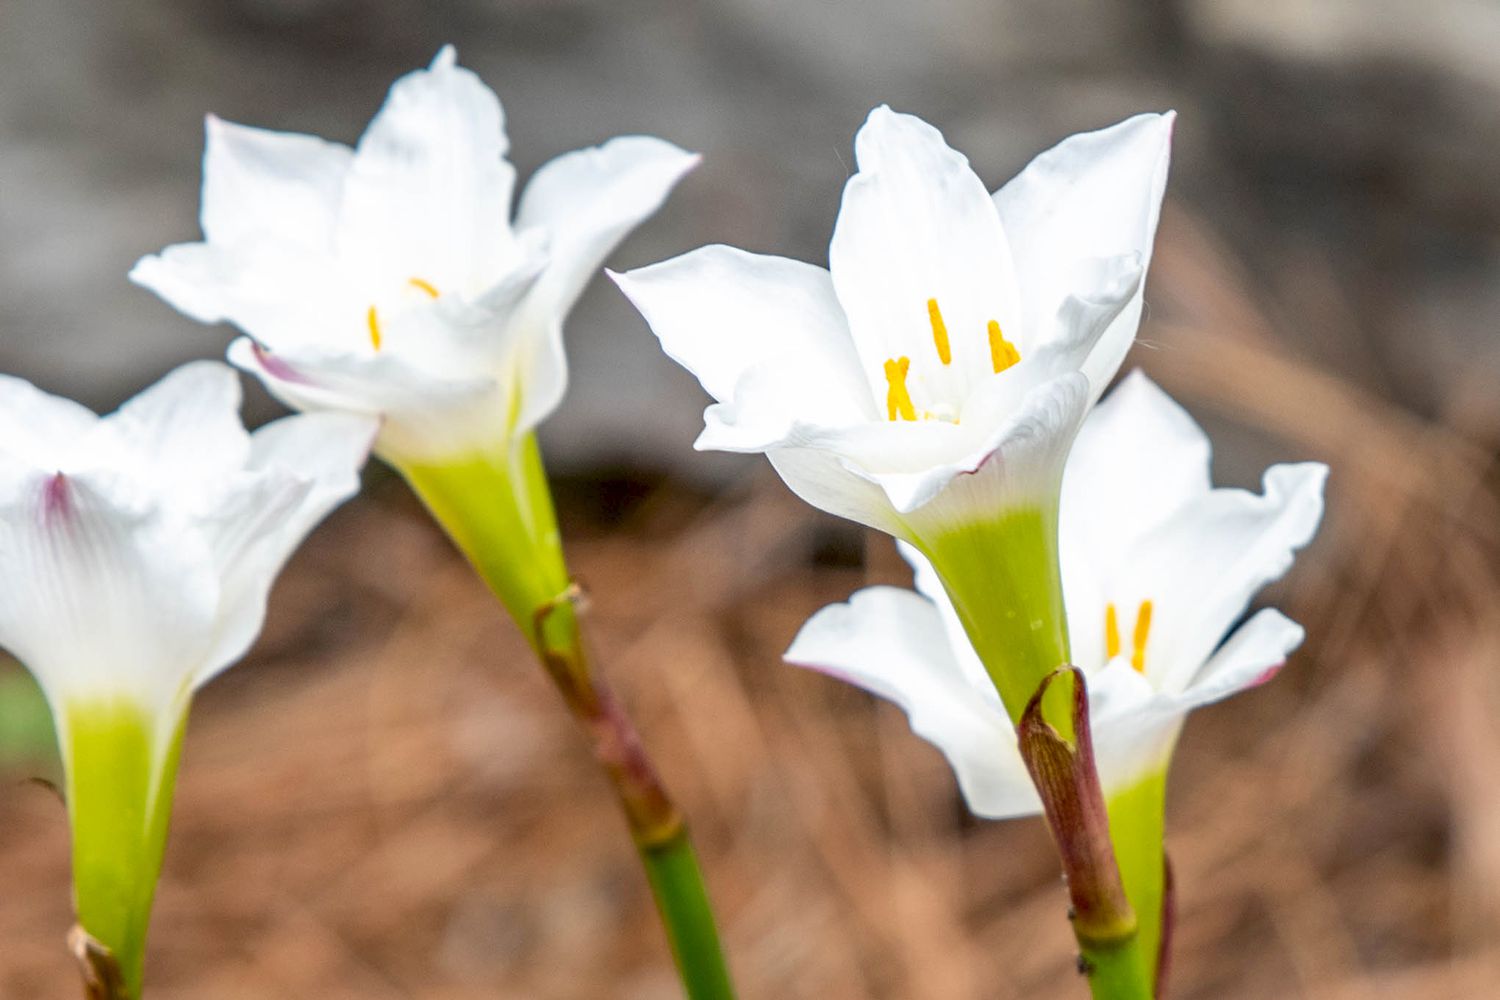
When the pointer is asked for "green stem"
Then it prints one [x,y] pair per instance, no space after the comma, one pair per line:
[498,510]
[1137,823]
[682,898]
[1117,971]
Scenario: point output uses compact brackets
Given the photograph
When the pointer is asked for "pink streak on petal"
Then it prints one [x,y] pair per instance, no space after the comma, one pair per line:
[277,368]
[1267,674]
[57,501]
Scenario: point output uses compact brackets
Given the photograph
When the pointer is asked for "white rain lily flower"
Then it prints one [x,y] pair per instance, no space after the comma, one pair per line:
[1157,567]
[137,552]
[138,549]
[931,381]
[390,279]
[956,337]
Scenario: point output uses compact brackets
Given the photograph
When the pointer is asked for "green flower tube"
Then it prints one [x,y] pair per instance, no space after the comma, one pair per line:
[121,770]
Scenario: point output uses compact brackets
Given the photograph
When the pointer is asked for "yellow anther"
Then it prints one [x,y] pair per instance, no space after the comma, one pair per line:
[939,332]
[1003,353]
[1138,640]
[423,286]
[1111,632]
[897,399]
[373,320]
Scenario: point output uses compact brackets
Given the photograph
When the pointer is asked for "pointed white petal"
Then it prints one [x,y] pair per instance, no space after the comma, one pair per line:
[786,402]
[102,590]
[719,312]
[821,479]
[1138,460]
[241,530]
[301,468]
[1202,568]
[1097,194]
[892,643]
[38,428]
[185,429]
[764,335]
[258,182]
[587,201]
[280,294]
[428,193]
[1251,656]
[916,225]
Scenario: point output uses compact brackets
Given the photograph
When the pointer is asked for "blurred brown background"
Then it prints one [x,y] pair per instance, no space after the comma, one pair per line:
[385,800]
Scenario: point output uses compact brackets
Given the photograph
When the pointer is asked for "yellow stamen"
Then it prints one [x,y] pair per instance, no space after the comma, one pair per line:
[1111,632]
[1003,353]
[939,332]
[898,400]
[1138,640]
[373,319]
[424,286]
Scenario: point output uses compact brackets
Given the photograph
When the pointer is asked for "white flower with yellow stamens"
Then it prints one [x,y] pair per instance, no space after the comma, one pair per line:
[1157,567]
[390,279]
[930,382]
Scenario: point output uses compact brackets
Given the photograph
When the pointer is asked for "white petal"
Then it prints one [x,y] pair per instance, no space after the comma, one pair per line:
[428,194]
[279,293]
[1019,464]
[1100,290]
[915,461]
[38,428]
[719,312]
[1138,460]
[422,415]
[1097,194]
[302,467]
[764,335]
[1085,315]
[258,182]
[1251,656]
[892,643]
[916,225]
[820,478]
[185,429]
[1202,568]
[102,591]
[1134,726]
[587,201]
